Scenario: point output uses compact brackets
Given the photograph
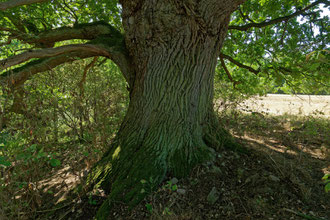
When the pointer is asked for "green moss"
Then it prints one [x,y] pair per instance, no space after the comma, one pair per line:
[124,166]
[104,210]
[181,163]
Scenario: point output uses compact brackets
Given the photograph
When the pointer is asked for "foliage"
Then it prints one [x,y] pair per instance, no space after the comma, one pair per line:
[326,181]
[55,127]
[291,56]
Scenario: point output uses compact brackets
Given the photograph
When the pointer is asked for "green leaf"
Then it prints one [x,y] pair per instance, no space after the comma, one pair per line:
[4,162]
[326,176]
[33,148]
[174,187]
[55,162]
[314,66]
[149,207]
[327,188]
[41,154]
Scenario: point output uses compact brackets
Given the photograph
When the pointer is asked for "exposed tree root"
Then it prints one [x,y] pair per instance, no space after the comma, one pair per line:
[129,172]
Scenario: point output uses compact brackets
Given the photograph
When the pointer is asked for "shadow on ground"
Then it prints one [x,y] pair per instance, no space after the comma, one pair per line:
[279,178]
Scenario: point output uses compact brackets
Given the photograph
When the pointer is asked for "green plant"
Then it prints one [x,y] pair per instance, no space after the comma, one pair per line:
[167,211]
[326,180]
[147,186]
[4,162]
[170,186]
[149,207]
[91,201]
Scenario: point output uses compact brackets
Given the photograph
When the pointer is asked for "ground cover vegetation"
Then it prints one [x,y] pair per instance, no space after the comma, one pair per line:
[123,98]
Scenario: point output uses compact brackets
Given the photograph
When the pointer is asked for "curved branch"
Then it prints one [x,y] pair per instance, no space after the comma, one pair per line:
[15,3]
[105,41]
[239,64]
[52,57]
[84,76]
[88,31]
[12,31]
[15,78]
[277,20]
[51,52]
[228,73]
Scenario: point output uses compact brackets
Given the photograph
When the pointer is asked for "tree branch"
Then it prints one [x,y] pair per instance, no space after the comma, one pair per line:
[15,3]
[277,20]
[84,76]
[17,77]
[51,52]
[223,56]
[87,31]
[51,57]
[105,41]
[228,73]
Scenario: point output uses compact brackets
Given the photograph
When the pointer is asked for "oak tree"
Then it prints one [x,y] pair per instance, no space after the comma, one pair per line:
[167,51]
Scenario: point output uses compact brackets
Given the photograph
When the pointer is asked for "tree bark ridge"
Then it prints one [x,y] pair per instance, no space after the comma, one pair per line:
[169,123]
[15,3]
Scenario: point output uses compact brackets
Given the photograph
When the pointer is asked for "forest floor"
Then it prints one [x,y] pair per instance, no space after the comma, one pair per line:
[279,177]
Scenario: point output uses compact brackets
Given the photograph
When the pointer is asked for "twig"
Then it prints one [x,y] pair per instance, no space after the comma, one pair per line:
[276,166]
[228,73]
[243,205]
[50,210]
[302,215]
[279,19]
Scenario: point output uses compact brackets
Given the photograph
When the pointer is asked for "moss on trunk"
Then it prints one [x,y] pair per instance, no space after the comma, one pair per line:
[174,46]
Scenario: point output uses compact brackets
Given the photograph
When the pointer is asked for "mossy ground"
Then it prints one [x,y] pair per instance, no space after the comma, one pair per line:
[279,177]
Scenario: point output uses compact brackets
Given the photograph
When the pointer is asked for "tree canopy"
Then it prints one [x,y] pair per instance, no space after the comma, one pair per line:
[283,44]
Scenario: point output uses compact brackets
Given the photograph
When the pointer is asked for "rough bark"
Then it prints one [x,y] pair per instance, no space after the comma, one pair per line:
[15,3]
[170,126]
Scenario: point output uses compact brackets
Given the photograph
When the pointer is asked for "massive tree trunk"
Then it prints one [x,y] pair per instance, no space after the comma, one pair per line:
[170,125]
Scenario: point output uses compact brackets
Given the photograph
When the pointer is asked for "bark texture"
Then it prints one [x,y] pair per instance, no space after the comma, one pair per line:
[15,3]
[170,125]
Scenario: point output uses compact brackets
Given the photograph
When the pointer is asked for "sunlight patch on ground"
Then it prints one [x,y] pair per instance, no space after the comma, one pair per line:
[60,183]
[272,144]
[278,147]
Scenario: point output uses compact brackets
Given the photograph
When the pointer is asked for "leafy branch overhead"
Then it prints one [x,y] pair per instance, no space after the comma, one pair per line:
[264,37]
[272,40]
[104,40]
[268,22]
